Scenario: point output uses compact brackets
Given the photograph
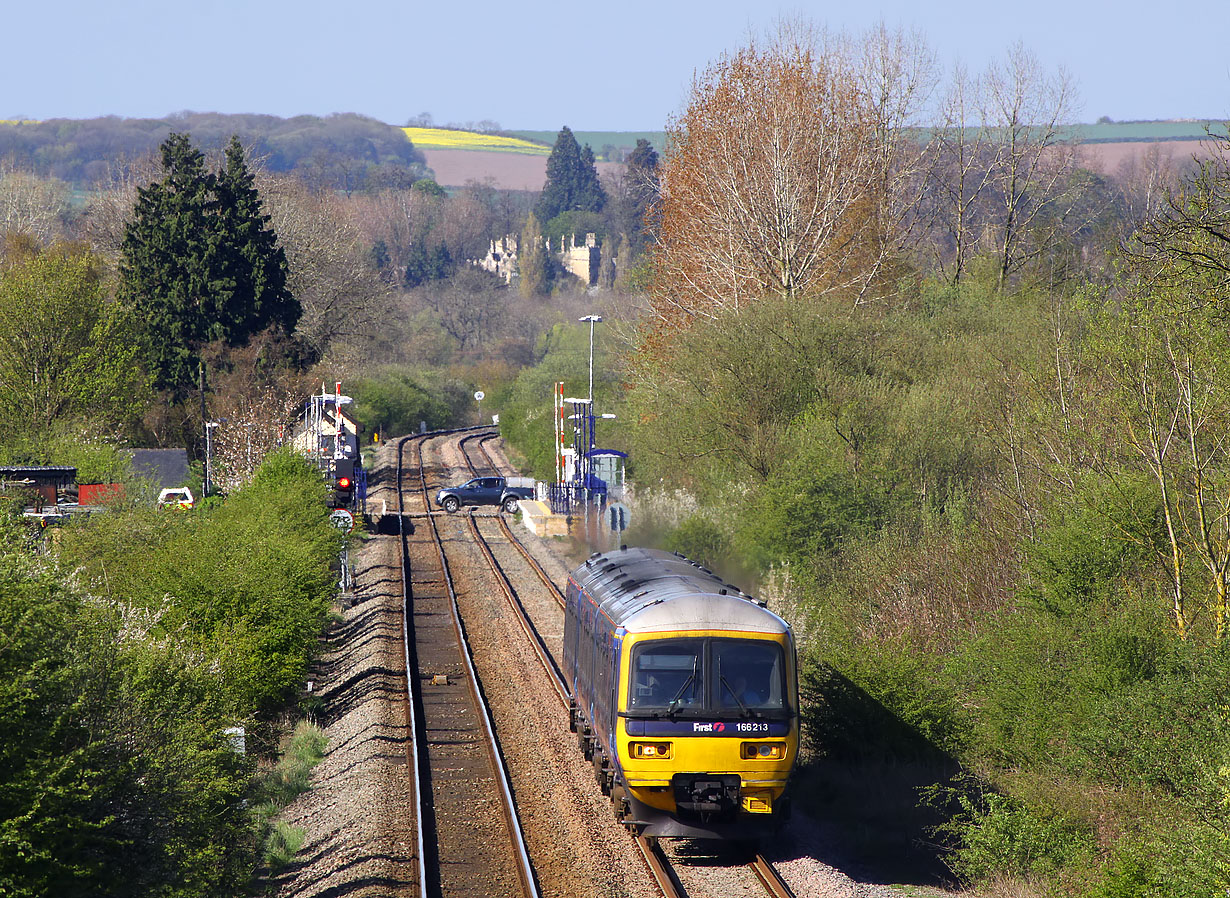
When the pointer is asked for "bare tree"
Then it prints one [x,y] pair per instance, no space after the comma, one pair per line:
[255,423]
[113,201]
[1146,180]
[1035,166]
[898,74]
[331,272]
[1007,179]
[964,151]
[31,205]
[470,307]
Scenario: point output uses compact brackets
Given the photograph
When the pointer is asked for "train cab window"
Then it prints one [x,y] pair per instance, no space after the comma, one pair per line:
[748,675]
[668,675]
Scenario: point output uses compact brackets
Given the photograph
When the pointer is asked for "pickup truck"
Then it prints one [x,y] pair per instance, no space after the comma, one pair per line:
[506,492]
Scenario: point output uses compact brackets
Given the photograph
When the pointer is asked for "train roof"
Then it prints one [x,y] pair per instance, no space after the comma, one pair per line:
[645,590]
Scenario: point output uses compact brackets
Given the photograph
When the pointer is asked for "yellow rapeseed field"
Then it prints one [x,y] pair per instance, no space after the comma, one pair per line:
[445,139]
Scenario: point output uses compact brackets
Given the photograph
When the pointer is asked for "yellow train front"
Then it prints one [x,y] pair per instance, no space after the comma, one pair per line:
[685,695]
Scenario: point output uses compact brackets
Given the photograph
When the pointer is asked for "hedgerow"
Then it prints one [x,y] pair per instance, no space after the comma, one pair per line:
[123,664]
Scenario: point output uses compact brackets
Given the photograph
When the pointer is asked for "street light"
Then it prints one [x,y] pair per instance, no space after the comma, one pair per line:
[592,319]
[209,426]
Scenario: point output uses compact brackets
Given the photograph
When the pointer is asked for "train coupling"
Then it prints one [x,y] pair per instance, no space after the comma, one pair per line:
[706,793]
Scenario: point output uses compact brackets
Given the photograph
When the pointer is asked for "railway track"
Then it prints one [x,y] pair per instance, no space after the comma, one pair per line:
[659,866]
[469,838]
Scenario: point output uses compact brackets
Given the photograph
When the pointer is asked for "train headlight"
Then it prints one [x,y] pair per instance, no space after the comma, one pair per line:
[763,751]
[650,750]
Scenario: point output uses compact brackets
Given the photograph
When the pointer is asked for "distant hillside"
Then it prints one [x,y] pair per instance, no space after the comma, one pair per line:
[1100,132]
[344,151]
[352,152]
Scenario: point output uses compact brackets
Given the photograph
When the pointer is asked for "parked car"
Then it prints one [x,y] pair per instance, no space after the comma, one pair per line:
[176,497]
[506,492]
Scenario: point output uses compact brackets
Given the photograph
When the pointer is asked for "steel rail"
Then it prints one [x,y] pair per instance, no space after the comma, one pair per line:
[508,534]
[770,878]
[525,869]
[556,593]
[660,868]
[481,436]
[412,696]
[514,601]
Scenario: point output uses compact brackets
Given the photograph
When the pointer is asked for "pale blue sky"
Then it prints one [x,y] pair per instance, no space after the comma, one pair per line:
[614,65]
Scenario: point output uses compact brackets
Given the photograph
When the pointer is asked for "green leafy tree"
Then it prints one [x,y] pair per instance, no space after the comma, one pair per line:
[428,187]
[66,349]
[428,263]
[394,401]
[200,263]
[572,180]
[590,195]
[170,267]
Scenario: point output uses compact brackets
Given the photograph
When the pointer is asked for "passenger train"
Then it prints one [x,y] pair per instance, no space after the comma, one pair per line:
[685,695]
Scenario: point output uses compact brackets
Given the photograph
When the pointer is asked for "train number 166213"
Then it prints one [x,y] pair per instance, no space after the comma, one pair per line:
[751,727]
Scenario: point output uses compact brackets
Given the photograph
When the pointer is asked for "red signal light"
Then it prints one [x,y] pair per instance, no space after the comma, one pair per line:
[343,483]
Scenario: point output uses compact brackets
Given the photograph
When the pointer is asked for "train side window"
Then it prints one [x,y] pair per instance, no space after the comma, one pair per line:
[586,644]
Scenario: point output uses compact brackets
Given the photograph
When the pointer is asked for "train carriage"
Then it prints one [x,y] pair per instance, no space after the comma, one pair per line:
[685,695]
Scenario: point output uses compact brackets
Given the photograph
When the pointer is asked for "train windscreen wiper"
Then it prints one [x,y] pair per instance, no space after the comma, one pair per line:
[747,712]
[673,704]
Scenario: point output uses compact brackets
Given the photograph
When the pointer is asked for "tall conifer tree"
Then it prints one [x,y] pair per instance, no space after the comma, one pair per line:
[572,180]
[170,267]
[200,262]
[255,262]
[533,265]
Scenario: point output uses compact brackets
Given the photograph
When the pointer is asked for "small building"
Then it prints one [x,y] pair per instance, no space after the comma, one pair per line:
[582,260]
[606,467]
[42,485]
[501,258]
[325,431]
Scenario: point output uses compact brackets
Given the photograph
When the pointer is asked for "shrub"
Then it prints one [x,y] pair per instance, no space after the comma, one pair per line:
[397,400]
[701,540]
[292,776]
[282,844]
[998,837]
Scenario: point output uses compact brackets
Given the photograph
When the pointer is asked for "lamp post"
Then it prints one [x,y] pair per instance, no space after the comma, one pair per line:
[209,426]
[592,319]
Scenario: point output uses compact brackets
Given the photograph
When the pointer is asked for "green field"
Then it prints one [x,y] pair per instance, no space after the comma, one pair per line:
[598,139]
[1111,132]
[1102,132]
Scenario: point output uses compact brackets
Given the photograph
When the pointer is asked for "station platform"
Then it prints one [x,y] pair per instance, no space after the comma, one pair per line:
[540,521]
